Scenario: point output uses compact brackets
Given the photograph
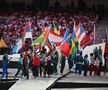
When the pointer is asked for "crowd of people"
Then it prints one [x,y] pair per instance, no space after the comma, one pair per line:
[45,64]
[12,25]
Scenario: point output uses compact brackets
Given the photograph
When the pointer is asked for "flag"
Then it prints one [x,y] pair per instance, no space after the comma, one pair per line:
[75,40]
[80,33]
[26,34]
[67,33]
[2,43]
[56,31]
[40,39]
[66,46]
[48,44]
[28,30]
[53,37]
[18,46]
[73,48]
[107,36]
[87,41]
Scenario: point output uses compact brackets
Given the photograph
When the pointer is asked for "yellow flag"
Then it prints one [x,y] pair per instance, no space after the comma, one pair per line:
[2,43]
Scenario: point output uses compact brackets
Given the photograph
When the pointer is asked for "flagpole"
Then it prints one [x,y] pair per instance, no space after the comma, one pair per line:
[74,24]
[94,32]
[106,35]
[32,38]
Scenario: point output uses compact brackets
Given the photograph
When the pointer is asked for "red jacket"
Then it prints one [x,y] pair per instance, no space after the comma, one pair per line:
[36,61]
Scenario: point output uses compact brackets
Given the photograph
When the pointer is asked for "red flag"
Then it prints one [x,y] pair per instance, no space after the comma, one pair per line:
[106,48]
[87,40]
[65,48]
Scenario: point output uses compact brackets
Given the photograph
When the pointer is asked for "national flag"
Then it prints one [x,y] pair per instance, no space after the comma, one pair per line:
[107,36]
[80,33]
[75,40]
[67,33]
[66,46]
[28,31]
[2,43]
[18,46]
[87,41]
[40,39]
[26,34]
[73,48]
[106,48]
[53,37]
[55,30]
[48,44]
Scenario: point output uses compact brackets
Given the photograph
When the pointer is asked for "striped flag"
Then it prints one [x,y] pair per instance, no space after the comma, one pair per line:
[53,37]
[40,39]
[26,34]
[88,40]
[66,43]
[18,46]
[80,33]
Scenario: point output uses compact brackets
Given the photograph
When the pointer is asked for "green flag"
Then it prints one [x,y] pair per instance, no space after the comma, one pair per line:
[73,48]
[40,39]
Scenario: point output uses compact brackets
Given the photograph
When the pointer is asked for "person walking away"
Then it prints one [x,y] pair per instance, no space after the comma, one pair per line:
[100,59]
[95,52]
[70,62]
[92,60]
[55,62]
[96,67]
[79,63]
[27,66]
[20,66]
[24,63]
[86,65]
[49,63]
[62,61]
[5,66]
